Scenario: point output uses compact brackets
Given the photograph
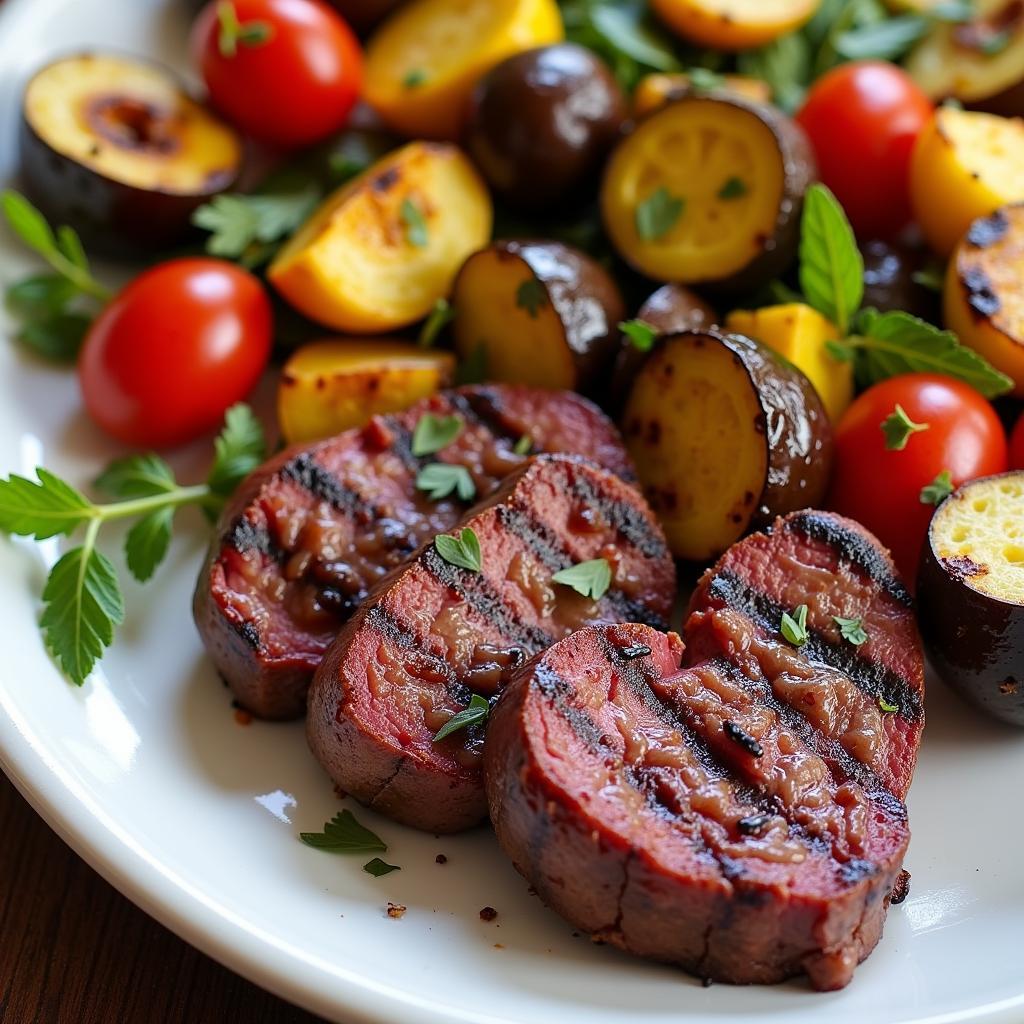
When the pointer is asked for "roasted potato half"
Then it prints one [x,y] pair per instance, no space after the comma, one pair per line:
[979,62]
[424,60]
[970,594]
[725,436]
[708,190]
[734,24]
[380,251]
[984,294]
[655,90]
[330,386]
[964,166]
[113,146]
[537,313]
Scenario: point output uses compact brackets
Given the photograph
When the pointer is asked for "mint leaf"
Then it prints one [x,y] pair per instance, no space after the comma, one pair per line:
[440,479]
[851,630]
[28,223]
[831,266]
[734,188]
[883,40]
[640,333]
[41,508]
[82,604]
[136,476]
[657,214]
[344,834]
[238,450]
[147,542]
[474,714]
[794,627]
[938,490]
[57,337]
[416,230]
[433,433]
[897,428]
[378,867]
[39,296]
[441,315]
[624,26]
[591,579]
[531,295]
[70,245]
[463,551]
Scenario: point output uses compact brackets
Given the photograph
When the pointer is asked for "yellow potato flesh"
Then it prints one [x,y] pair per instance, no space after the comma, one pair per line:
[734,24]
[330,386]
[356,265]
[692,149]
[689,425]
[423,62]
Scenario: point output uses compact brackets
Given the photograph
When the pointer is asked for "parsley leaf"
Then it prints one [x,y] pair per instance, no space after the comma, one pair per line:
[136,476]
[591,579]
[898,427]
[440,479]
[523,446]
[58,337]
[831,266]
[441,315]
[938,490]
[657,214]
[433,433]
[475,713]
[239,449]
[851,630]
[531,295]
[463,551]
[39,296]
[41,508]
[734,188]
[794,627]
[416,231]
[642,334]
[147,543]
[344,834]
[889,709]
[414,78]
[883,40]
[378,867]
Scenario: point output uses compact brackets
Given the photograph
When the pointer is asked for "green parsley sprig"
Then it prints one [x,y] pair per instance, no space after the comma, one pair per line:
[82,599]
[794,627]
[473,714]
[589,579]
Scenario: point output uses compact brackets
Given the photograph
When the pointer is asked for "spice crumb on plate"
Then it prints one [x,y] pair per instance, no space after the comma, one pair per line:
[488,914]
[396,910]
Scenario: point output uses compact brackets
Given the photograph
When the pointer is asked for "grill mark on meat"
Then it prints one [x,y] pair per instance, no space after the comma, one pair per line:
[857,870]
[250,633]
[401,446]
[870,677]
[483,599]
[305,471]
[851,547]
[551,552]
[245,536]
[484,405]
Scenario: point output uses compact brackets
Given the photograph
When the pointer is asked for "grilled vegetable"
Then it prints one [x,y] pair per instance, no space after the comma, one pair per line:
[655,90]
[542,121]
[708,189]
[800,334]
[423,62]
[971,594]
[113,147]
[538,313]
[965,165]
[979,62]
[725,436]
[734,24]
[380,251]
[892,279]
[982,296]
[329,386]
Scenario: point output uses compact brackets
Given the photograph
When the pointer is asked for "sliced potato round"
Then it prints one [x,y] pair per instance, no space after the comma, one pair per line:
[734,24]
[983,298]
[965,165]
[708,189]
[979,62]
[423,62]
[379,252]
[537,313]
[724,436]
[330,386]
[655,90]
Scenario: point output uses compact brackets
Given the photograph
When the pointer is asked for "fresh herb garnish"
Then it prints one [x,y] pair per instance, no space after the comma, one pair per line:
[440,317]
[932,277]
[414,78]
[344,834]
[463,551]
[591,579]
[440,479]
[416,231]
[705,80]
[882,40]
[851,630]
[523,446]
[473,369]
[897,428]
[734,188]
[938,490]
[433,433]
[474,714]
[82,601]
[531,295]
[657,214]
[378,867]
[794,627]
[234,32]
[889,709]
[640,333]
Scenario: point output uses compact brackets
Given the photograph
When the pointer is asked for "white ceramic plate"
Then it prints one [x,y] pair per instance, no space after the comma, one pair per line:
[145,772]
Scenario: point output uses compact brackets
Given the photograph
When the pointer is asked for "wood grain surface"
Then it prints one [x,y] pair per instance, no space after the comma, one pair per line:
[74,951]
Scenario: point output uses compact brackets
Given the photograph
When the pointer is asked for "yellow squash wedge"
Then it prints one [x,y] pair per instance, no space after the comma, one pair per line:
[734,24]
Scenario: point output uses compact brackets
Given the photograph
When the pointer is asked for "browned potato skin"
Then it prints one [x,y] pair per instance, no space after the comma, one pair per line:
[672,309]
[542,121]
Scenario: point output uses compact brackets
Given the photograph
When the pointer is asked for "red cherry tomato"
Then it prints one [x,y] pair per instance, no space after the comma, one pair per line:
[287,72]
[880,487]
[863,119]
[1017,445]
[176,348]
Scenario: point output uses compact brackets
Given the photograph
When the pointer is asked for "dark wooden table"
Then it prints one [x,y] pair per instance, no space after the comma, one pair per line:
[74,951]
